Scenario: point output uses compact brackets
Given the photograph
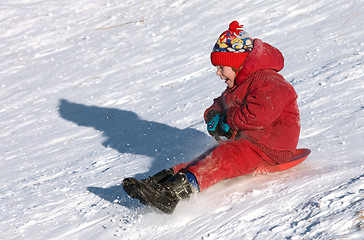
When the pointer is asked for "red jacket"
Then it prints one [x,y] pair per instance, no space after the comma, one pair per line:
[262,106]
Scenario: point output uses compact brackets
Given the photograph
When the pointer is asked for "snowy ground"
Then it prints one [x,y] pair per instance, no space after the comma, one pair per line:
[95,91]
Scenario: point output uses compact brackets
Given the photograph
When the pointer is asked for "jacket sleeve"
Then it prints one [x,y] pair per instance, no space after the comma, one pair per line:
[261,107]
[217,106]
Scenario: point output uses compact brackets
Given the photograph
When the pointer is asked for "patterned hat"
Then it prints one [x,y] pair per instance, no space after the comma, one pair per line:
[232,47]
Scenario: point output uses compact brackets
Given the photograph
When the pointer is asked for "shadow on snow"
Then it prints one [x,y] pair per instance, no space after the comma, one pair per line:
[127,133]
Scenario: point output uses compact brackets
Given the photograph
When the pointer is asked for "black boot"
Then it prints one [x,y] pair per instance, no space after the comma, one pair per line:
[160,177]
[129,183]
[164,195]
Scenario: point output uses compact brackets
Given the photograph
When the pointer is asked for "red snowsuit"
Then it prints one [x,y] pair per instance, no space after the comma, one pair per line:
[262,107]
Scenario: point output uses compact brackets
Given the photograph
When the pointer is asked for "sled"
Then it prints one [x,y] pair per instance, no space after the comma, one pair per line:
[299,156]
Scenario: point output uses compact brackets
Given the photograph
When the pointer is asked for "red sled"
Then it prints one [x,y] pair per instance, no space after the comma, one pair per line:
[299,156]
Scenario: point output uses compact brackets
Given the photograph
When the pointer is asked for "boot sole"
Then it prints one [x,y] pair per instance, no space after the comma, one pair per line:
[129,186]
[147,196]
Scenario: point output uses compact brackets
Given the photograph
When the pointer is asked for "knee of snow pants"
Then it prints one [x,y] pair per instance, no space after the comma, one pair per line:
[228,160]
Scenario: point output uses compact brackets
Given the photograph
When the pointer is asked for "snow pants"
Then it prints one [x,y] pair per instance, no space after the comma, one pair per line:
[228,160]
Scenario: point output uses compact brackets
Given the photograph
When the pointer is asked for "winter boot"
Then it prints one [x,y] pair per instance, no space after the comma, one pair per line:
[160,177]
[129,183]
[164,195]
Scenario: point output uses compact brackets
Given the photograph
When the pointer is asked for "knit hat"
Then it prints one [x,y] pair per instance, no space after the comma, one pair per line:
[232,47]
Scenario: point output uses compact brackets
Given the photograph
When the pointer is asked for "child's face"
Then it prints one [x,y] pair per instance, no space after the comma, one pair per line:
[226,73]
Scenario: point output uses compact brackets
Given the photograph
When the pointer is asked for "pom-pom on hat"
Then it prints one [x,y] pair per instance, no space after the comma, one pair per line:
[232,47]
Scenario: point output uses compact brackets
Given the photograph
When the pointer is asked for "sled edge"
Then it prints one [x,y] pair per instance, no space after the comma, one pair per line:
[299,156]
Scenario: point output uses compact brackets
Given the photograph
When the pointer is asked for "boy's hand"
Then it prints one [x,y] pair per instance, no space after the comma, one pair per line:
[213,123]
[225,128]
[211,114]
[217,125]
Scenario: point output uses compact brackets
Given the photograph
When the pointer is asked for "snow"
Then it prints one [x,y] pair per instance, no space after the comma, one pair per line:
[93,91]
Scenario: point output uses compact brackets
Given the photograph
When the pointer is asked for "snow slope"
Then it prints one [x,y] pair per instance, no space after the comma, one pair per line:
[95,91]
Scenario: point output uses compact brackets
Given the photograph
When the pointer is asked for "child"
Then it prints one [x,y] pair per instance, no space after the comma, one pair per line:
[257,112]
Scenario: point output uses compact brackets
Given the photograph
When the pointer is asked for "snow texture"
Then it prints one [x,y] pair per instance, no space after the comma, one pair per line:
[93,91]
